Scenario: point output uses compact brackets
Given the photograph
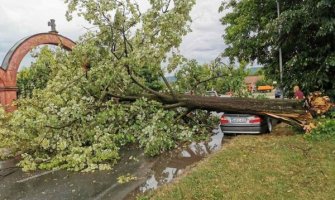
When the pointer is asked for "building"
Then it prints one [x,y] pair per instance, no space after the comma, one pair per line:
[251,81]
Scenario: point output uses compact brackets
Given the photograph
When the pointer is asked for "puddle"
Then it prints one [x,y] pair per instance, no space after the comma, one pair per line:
[150,172]
[172,164]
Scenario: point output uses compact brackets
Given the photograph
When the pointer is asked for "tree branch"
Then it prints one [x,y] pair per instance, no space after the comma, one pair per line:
[172,106]
[206,80]
[125,98]
[169,86]
[63,126]
[184,114]
[166,9]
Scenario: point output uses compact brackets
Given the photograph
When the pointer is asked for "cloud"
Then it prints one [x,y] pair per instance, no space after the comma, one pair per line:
[20,19]
[205,42]
[23,18]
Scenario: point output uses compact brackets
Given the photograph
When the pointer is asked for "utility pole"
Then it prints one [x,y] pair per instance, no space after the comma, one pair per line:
[280,55]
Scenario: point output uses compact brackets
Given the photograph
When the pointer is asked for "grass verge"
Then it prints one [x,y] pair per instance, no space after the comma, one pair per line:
[260,167]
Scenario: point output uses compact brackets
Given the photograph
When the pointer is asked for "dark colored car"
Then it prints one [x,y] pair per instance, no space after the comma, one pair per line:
[245,123]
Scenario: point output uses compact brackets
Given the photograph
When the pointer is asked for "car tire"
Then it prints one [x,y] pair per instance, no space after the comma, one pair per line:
[268,125]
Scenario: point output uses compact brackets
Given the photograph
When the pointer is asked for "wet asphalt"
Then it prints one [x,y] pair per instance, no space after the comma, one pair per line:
[150,173]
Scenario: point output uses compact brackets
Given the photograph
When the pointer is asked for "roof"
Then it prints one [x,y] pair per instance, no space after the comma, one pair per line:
[252,79]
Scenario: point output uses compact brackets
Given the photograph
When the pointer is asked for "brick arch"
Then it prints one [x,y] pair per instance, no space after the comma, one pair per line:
[12,60]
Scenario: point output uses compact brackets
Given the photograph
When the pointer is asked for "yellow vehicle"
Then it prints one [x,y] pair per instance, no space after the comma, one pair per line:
[264,88]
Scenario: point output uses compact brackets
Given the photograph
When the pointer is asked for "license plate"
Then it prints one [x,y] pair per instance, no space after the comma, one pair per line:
[238,120]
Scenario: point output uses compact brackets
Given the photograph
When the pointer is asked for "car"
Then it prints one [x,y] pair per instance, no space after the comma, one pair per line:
[232,123]
[264,88]
[211,93]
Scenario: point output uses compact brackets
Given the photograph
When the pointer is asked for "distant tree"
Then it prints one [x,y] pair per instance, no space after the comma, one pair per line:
[234,81]
[197,79]
[264,81]
[306,36]
[194,78]
[152,81]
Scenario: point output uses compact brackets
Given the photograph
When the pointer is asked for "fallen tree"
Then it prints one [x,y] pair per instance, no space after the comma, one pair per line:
[81,119]
[294,112]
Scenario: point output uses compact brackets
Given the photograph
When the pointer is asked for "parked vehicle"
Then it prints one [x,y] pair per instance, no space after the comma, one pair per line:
[264,88]
[244,123]
[212,93]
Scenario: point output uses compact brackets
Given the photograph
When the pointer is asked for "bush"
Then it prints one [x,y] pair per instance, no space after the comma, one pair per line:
[324,131]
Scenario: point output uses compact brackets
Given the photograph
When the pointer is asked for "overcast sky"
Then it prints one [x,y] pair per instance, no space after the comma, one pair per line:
[24,18]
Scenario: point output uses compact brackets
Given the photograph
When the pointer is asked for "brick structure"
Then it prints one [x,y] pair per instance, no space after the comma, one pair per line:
[11,62]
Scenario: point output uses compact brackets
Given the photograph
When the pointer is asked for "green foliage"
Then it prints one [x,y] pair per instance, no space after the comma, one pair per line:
[91,139]
[126,178]
[234,82]
[190,77]
[156,129]
[264,81]
[306,38]
[324,131]
[37,75]
[331,114]
[152,81]
[196,78]
[261,96]
[79,119]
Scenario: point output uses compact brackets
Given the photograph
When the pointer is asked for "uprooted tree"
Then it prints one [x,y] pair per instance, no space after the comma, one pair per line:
[82,118]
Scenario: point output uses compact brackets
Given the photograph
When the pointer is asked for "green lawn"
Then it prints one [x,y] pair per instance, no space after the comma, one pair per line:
[260,167]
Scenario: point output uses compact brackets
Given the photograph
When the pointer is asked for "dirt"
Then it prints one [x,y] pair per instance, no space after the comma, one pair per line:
[283,129]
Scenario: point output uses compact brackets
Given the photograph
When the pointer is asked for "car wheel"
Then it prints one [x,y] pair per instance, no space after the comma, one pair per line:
[269,125]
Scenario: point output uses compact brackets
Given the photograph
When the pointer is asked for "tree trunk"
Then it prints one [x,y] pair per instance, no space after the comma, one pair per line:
[295,112]
[290,111]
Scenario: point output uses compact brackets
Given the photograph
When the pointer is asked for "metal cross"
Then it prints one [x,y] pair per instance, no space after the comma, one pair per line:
[52,23]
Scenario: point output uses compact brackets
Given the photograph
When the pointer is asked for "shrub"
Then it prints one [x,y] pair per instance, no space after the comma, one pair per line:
[324,131]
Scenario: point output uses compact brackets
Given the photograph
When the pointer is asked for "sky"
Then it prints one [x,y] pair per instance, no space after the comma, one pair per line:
[20,19]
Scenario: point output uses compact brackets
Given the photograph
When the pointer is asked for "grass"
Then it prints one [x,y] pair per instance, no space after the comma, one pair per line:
[260,167]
